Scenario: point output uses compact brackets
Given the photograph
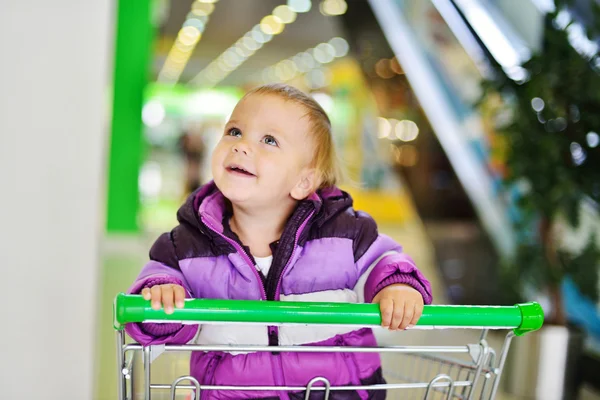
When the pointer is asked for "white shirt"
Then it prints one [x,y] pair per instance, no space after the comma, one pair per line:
[263,264]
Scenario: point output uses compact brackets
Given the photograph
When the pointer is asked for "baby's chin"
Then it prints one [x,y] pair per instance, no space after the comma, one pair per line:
[236,195]
[238,199]
[252,199]
[251,195]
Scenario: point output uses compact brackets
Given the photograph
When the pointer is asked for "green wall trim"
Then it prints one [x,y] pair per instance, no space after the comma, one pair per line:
[133,47]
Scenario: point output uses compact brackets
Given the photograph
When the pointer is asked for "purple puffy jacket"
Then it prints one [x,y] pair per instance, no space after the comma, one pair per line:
[327,252]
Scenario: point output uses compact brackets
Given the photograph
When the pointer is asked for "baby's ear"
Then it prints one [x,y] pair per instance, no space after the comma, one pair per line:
[307,184]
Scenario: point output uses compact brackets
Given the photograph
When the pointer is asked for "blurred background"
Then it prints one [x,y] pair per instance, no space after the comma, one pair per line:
[469,130]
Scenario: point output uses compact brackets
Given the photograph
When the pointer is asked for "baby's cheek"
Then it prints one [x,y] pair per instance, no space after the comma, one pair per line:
[279,163]
[216,159]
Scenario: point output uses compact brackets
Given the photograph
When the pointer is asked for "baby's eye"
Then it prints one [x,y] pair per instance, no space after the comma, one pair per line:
[234,132]
[270,140]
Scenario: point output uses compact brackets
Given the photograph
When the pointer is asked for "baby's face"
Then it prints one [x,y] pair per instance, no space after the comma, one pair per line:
[265,151]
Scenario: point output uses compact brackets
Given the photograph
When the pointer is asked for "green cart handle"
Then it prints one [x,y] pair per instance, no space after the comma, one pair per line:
[522,318]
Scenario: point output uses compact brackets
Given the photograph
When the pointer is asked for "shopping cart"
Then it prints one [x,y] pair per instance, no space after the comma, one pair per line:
[431,373]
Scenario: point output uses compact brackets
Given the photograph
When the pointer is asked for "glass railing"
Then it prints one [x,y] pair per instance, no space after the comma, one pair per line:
[445,64]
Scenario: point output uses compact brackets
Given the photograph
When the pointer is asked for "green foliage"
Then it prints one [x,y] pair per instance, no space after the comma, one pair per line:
[579,268]
[554,118]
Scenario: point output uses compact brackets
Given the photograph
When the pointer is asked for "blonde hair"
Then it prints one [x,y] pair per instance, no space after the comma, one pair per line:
[325,160]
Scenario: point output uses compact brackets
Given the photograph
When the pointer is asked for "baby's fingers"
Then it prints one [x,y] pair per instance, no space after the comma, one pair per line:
[179,296]
[156,297]
[146,294]
[386,306]
[398,315]
[409,312]
[167,298]
[417,314]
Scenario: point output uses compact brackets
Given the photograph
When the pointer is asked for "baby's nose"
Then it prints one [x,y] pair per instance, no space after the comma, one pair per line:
[240,148]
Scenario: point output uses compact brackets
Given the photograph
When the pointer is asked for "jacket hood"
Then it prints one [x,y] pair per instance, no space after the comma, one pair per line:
[207,205]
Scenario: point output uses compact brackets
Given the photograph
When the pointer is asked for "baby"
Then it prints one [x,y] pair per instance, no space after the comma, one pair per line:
[273,226]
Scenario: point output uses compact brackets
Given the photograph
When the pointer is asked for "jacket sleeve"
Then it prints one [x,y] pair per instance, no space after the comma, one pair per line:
[163,268]
[380,262]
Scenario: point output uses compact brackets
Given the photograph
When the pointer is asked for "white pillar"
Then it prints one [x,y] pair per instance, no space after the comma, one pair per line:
[54,72]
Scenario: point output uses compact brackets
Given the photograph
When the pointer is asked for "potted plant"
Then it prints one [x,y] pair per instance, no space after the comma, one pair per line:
[551,123]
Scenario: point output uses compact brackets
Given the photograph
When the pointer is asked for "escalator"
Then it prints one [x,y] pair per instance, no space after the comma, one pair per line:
[457,186]
[444,47]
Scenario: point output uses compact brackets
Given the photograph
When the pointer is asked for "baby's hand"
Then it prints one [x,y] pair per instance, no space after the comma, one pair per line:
[165,295]
[401,306]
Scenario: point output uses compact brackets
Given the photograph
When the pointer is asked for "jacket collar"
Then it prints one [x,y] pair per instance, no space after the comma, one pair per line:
[207,206]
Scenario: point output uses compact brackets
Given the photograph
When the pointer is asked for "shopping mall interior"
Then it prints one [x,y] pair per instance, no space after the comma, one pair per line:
[465,128]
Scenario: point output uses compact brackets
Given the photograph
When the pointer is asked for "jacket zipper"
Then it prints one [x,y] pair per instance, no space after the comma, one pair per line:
[245,256]
[297,238]
[210,374]
[273,331]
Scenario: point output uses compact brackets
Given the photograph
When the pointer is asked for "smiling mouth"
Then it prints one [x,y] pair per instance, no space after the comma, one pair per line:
[237,170]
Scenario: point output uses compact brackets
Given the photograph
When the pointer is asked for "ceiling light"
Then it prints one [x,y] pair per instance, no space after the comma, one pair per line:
[328,52]
[340,45]
[196,23]
[178,46]
[199,8]
[250,43]
[333,7]
[186,41]
[592,139]
[271,25]
[188,35]
[384,128]
[393,123]
[203,18]
[242,51]
[259,35]
[285,14]
[382,68]
[153,113]
[299,6]
[316,78]
[319,55]
[406,130]
[309,60]
[300,64]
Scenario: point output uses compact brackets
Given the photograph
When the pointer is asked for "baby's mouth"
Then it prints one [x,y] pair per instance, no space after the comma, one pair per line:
[238,170]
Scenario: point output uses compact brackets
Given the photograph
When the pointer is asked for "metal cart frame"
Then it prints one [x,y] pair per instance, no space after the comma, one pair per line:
[432,373]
